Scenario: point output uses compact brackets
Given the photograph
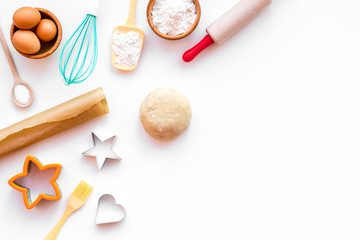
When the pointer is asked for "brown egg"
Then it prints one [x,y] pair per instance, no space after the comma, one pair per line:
[26,17]
[26,41]
[46,30]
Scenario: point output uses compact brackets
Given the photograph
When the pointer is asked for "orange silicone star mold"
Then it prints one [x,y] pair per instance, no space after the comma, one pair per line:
[26,192]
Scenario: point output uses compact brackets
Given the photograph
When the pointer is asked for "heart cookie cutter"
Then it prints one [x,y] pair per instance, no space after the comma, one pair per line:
[109,211]
[31,161]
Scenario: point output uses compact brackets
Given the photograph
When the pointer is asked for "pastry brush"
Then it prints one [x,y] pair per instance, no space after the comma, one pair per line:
[76,200]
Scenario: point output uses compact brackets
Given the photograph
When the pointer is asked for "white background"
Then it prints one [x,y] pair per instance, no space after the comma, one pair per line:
[273,147]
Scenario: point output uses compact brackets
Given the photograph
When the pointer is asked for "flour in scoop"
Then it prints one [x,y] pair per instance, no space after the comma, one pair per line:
[173,17]
[22,94]
[126,47]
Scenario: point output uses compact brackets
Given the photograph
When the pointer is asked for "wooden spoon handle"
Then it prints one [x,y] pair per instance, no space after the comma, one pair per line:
[8,56]
[131,18]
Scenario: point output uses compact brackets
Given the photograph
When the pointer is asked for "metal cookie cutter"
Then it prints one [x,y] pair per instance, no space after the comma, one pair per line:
[108,211]
[102,150]
[31,161]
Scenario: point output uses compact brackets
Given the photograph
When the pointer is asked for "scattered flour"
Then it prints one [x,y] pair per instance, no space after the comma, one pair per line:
[126,47]
[173,17]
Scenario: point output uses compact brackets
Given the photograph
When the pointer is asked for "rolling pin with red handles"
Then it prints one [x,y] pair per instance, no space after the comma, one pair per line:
[228,24]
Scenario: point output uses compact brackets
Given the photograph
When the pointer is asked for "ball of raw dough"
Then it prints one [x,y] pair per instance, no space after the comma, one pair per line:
[165,114]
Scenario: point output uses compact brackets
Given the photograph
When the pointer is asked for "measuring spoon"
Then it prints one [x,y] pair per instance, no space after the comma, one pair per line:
[18,82]
[129,26]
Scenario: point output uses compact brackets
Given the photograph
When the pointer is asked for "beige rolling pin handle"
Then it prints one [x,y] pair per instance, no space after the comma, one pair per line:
[235,19]
[228,24]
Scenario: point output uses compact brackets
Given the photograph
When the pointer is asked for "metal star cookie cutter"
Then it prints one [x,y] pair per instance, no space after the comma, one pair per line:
[102,150]
[109,211]
[26,192]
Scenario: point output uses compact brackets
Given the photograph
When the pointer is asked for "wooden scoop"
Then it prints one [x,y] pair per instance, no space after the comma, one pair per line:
[129,26]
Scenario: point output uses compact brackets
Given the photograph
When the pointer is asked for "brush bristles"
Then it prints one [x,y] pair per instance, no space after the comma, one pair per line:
[82,191]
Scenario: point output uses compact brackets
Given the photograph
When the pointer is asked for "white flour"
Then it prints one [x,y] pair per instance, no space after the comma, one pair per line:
[126,47]
[22,94]
[173,17]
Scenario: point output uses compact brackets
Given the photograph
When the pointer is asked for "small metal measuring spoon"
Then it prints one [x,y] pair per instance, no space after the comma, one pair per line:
[17,78]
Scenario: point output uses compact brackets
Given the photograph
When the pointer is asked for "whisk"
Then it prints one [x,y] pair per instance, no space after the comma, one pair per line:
[79,55]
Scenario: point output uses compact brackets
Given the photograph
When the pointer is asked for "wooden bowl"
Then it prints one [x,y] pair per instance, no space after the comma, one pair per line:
[47,48]
[175,37]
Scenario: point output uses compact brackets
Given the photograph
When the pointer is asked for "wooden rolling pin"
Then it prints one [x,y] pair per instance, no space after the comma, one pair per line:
[228,24]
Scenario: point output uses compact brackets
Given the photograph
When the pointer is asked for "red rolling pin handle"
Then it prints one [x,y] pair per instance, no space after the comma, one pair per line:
[193,52]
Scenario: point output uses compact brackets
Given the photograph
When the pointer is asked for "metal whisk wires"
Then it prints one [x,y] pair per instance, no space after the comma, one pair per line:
[79,56]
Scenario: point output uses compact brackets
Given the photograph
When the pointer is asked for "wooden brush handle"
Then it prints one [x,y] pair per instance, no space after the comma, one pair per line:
[55,231]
